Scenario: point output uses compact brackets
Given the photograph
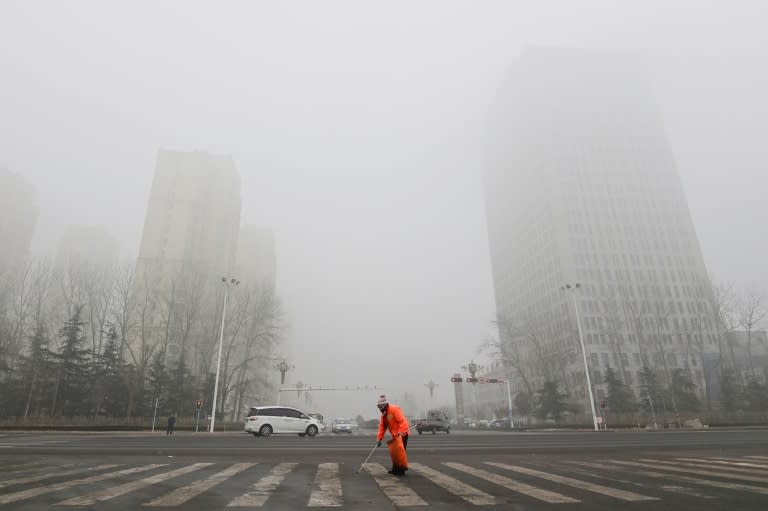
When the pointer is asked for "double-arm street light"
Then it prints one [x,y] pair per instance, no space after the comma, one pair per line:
[227,283]
[572,288]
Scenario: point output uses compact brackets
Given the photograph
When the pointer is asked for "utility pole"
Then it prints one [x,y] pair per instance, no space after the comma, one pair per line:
[227,284]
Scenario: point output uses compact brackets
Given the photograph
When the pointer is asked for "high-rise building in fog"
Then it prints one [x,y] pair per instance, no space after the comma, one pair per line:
[581,187]
[18,217]
[189,241]
[88,245]
[193,215]
[255,262]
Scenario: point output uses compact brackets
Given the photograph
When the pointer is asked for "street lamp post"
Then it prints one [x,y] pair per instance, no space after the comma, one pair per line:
[572,288]
[227,284]
[283,367]
[431,386]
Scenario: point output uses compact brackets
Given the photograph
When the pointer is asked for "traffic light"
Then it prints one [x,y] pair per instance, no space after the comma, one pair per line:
[493,380]
[199,404]
[456,379]
[602,403]
[471,380]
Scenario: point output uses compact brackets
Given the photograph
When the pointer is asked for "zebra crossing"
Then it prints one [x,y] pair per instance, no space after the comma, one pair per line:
[443,484]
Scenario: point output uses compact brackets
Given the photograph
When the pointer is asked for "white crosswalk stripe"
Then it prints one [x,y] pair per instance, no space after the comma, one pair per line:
[36,492]
[742,461]
[50,475]
[326,491]
[705,482]
[728,465]
[115,491]
[721,461]
[681,490]
[576,483]
[183,494]
[453,485]
[26,467]
[264,487]
[684,470]
[760,476]
[394,488]
[511,484]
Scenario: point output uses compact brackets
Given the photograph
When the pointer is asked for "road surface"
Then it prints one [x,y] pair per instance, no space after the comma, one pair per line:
[569,471]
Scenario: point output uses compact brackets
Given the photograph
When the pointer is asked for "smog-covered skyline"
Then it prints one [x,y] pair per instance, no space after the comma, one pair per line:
[359,133]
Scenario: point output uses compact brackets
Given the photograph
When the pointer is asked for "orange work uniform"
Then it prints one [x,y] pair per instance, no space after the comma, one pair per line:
[394,420]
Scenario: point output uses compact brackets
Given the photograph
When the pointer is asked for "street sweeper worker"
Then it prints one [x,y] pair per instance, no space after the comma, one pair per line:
[392,418]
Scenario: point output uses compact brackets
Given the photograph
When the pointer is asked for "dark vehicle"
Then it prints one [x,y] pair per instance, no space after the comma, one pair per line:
[501,424]
[436,421]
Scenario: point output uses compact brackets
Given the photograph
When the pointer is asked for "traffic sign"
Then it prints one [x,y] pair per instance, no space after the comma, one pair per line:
[199,404]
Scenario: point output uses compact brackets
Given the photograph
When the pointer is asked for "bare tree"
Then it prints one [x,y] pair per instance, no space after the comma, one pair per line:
[750,313]
[510,350]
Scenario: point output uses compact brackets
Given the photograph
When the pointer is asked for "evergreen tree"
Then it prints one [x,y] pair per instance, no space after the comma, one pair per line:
[35,371]
[684,391]
[733,397]
[523,404]
[756,395]
[111,389]
[159,382]
[73,371]
[551,402]
[184,393]
[620,399]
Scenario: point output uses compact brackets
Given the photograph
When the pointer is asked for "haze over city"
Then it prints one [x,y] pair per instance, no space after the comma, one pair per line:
[360,134]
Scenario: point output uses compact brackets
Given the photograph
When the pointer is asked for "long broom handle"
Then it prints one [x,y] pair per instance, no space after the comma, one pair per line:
[366,459]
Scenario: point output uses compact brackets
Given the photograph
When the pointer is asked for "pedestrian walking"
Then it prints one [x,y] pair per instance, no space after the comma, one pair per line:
[393,419]
[171,424]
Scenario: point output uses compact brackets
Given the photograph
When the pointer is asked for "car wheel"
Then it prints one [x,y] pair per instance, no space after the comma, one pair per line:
[419,431]
[448,431]
[265,430]
[434,431]
[312,430]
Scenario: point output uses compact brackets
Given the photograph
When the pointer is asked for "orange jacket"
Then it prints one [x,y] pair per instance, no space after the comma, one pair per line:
[394,420]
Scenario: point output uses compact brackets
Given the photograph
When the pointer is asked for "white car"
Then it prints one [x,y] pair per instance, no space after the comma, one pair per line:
[266,420]
[343,426]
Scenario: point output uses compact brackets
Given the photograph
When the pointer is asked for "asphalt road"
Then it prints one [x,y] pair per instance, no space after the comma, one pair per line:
[520,471]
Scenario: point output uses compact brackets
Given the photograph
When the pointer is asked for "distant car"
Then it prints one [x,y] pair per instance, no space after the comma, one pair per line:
[343,426]
[267,420]
[436,421]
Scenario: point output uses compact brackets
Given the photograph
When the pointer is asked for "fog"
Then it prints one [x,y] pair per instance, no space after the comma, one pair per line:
[359,129]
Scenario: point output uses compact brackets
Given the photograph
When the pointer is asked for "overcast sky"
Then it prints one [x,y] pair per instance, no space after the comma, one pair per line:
[358,130]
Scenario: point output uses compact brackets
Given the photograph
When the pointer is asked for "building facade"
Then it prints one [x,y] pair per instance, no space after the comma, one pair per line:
[581,187]
[188,243]
[256,263]
[18,217]
[87,245]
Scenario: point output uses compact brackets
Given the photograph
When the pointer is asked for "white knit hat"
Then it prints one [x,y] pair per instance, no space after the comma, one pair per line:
[382,400]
